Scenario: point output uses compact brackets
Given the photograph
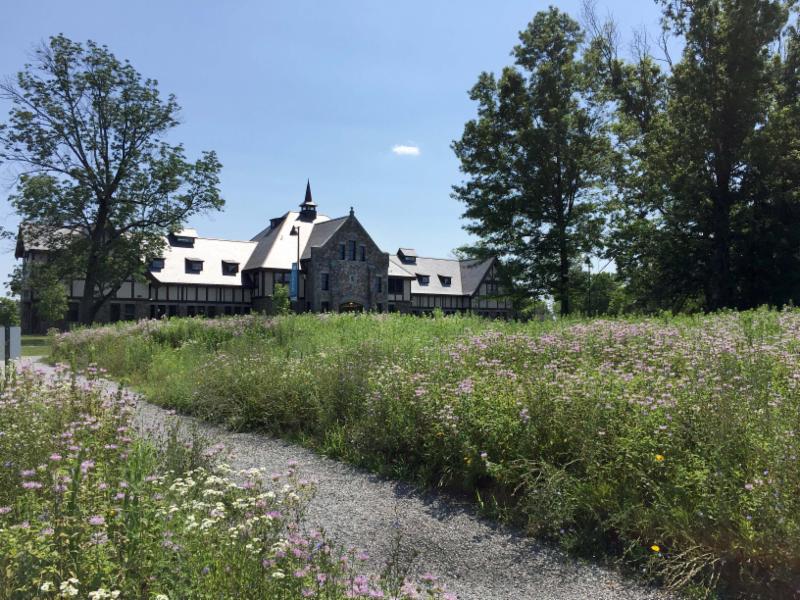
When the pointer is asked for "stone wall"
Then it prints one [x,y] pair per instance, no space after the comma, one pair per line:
[350,281]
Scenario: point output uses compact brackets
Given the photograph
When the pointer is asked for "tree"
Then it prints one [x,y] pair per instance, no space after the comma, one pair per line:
[96,177]
[533,156]
[281,304]
[705,209]
[9,311]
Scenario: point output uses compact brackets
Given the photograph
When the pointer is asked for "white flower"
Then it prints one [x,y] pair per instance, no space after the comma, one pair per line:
[278,575]
[161,597]
[47,586]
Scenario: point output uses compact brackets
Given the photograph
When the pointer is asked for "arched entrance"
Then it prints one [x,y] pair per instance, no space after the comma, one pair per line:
[351,307]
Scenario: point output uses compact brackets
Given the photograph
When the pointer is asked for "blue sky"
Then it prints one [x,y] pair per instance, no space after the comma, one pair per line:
[321,90]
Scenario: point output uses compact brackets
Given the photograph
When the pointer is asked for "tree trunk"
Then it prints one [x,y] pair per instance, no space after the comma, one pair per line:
[563,275]
[87,309]
[720,281]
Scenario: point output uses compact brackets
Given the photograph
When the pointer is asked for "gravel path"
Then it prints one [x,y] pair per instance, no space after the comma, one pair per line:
[476,559]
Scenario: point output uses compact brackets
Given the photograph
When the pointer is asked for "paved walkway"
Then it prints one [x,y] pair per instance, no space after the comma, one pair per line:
[476,559]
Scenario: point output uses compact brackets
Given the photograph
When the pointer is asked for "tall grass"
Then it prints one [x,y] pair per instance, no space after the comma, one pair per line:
[671,443]
[88,509]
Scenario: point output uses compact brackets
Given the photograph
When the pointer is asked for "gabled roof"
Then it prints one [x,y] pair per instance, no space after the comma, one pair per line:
[276,248]
[472,273]
[321,233]
[397,269]
[465,275]
[212,252]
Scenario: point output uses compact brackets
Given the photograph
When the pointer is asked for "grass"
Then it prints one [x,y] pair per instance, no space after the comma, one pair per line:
[669,444]
[36,345]
[90,510]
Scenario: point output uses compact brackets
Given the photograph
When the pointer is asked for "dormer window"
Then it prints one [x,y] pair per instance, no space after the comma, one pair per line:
[407,256]
[423,279]
[183,239]
[194,265]
[445,281]
[230,267]
[157,264]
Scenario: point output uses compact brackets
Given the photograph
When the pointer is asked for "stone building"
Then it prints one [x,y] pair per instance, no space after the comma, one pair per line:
[339,268]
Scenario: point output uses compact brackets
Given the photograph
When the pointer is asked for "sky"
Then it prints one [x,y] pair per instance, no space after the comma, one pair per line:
[362,98]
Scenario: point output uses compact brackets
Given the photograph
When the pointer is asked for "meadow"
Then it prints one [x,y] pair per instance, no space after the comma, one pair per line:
[89,509]
[668,445]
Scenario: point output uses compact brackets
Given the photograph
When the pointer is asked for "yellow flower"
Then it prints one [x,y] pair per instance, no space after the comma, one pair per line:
[655,548]
[659,457]
[467,459]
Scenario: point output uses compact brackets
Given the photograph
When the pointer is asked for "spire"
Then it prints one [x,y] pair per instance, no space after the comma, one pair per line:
[308,200]
[308,209]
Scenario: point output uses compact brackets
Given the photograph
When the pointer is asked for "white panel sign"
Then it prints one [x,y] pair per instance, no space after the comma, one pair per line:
[15,342]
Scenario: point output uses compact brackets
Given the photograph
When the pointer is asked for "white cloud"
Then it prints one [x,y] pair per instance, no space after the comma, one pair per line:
[403,150]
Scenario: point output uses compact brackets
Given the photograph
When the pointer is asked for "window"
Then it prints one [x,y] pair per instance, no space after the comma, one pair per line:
[395,285]
[380,307]
[341,251]
[326,307]
[491,287]
[446,281]
[194,265]
[326,281]
[423,279]
[173,310]
[363,250]
[379,284]
[156,264]
[230,268]
[351,249]
[130,312]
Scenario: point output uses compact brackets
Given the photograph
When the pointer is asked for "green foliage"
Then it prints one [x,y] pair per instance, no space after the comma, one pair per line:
[281,304]
[533,156]
[100,186]
[88,509]
[703,202]
[9,311]
[608,436]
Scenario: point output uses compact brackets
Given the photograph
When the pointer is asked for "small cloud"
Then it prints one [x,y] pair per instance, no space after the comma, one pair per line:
[402,150]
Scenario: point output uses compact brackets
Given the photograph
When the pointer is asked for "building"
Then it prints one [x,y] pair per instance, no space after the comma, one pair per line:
[340,269]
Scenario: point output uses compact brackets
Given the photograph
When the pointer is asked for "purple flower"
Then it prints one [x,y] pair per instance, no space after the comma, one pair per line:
[96,520]
[32,485]
[86,465]
[55,457]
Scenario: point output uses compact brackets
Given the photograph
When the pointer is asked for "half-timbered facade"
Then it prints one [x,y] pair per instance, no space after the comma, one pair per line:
[339,268]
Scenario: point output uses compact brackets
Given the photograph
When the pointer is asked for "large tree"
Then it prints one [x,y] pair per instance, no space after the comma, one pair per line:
[96,177]
[704,204]
[532,158]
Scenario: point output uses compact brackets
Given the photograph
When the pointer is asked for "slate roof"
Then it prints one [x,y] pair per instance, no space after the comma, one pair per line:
[213,252]
[275,248]
[465,275]
[320,234]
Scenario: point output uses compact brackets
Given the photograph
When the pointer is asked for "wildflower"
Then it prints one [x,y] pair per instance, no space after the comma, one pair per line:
[278,575]
[47,586]
[86,465]
[659,458]
[655,548]
[55,457]
[96,520]
[4,510]
[161,597]
[32,485]
[748,487]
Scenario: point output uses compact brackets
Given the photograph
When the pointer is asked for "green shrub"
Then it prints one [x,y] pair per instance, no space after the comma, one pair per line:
[671,443]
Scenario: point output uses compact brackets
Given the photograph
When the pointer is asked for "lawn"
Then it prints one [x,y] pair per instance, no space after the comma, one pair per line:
[36,345]
[667,444]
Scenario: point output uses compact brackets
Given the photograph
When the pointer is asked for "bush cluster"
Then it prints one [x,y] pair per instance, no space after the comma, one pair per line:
[88,509]
[672,443]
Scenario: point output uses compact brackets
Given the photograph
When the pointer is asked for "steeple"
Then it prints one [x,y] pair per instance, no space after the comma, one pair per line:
[308,209]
